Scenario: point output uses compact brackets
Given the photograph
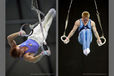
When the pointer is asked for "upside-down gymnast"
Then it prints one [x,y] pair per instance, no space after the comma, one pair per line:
[84,25]
[28,49]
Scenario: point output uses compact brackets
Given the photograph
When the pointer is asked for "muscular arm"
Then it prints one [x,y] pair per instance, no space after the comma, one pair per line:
[76,25]
[11,38]
[31,58]
[95,30]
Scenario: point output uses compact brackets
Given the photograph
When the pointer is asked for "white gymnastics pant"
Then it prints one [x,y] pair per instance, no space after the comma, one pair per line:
[46,23]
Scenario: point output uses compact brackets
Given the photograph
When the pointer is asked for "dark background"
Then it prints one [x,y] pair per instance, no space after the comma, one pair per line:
[72,62]
[19,12]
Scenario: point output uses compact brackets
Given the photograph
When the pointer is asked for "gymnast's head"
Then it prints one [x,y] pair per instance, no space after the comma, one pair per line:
[17,52]
[85,16]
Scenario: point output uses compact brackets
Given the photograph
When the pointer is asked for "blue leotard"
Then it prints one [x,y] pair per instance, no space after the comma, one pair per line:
[85,34]
[32,46]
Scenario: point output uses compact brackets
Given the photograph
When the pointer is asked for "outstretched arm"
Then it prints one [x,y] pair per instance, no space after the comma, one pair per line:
[31,58]
[11,38]
[95,30]
[76,25]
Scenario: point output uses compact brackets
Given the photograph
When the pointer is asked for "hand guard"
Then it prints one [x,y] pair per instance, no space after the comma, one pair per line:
[22,33]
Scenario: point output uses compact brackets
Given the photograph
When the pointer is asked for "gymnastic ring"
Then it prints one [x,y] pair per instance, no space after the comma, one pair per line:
[47,49]
[23,26]
[102,37]
[63,38]
[26,34]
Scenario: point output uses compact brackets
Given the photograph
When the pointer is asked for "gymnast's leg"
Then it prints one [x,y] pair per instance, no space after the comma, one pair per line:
[46,23]
[82,40]
[88,39]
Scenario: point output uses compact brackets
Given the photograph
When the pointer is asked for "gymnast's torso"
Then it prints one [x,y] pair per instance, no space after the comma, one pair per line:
[32,46]
[85,33]
[82,26]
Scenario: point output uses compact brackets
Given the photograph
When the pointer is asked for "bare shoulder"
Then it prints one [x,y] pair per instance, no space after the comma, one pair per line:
[77,22]
[92,23]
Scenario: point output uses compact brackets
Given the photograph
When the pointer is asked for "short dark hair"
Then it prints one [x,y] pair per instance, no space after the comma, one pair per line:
[14,53]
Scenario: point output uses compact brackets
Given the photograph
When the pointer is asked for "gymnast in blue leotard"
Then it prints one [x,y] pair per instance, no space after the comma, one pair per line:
[29,48]
[85,26]
[85,36]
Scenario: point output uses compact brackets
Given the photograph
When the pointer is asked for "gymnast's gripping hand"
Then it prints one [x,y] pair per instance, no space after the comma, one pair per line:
[48,52]
[66,41]
[22,33]
[99,42]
